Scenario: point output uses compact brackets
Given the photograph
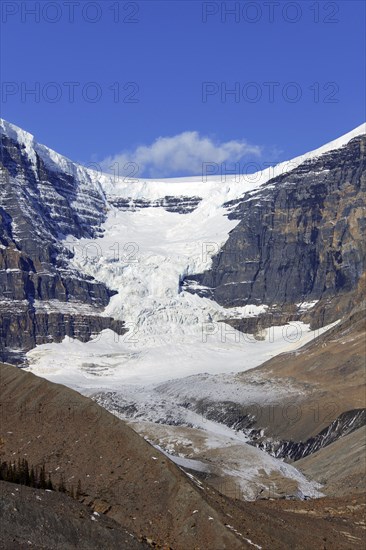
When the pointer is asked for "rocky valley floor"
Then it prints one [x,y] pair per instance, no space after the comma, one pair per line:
[130,482]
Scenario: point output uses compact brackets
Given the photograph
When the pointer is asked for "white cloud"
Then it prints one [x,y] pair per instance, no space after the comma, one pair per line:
[183,154]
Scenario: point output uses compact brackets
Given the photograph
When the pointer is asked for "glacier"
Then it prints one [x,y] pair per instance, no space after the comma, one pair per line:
[144,254]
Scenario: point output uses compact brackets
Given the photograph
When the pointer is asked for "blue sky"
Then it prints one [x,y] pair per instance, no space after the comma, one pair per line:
[149,81]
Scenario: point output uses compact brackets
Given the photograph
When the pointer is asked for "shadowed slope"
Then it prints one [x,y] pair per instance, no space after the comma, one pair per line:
[121,473]
[125,478]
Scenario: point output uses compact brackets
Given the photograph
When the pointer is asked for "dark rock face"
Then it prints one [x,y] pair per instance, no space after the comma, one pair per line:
[180,205]
[300,238]
[243,419]
[38,207]
[345,424]
[23,326]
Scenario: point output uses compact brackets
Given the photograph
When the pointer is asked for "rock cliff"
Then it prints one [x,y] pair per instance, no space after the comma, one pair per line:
[299,239]
[39,205]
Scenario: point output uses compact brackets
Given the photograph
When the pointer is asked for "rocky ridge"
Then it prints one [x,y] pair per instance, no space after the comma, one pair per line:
[40,204]
[300,239]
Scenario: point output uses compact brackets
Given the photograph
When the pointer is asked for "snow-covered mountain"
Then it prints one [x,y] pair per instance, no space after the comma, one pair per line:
[115,287]
[75,241]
